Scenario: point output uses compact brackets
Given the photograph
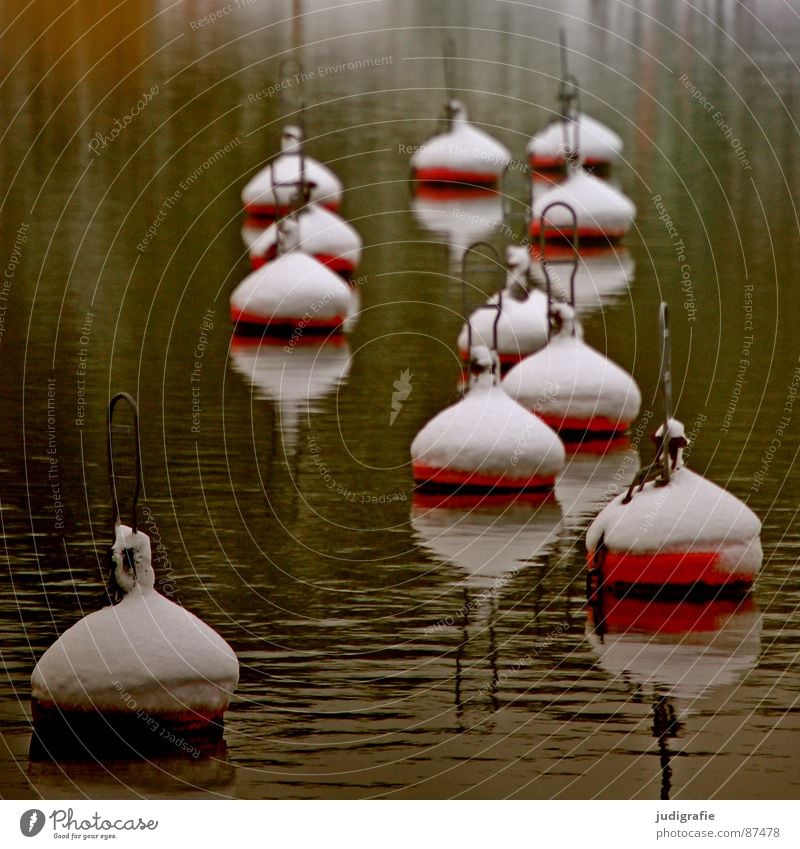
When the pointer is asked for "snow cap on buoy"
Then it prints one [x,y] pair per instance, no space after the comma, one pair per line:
[486,441]
[130,556]
[600,145]
[676,441]
[275,188]
[463,154]
[162,658]
[683,532]
[291,139]
[293,291]
[321,234]
[602,211]
[572,386]
[522,327]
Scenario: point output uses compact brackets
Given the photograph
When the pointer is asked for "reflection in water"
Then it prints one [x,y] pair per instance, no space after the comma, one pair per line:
[602,278]
[673,652]
[293,373]
[488,541]
[460,219]
[176,775]
[594,474]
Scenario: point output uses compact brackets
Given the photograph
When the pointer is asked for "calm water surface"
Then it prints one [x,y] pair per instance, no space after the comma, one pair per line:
[389,648]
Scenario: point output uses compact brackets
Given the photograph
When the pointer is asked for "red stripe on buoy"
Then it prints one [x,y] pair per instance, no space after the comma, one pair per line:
[563,250]
[546,163]
[444,192]
[339,264]
[243,318]
[453,175]
[668,568]
[241,342]
[428,475]
[609,234]
[269,211]
[594,424]
[60,731]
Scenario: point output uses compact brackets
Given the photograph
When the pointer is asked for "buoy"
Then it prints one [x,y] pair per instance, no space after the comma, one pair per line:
[486,441]
[604,214]
[464,154]
[549,149]
[677,529]
[523,324]
[143,673]
[321,234]
[270,194]
[572,387]
[600,145]
[294,292]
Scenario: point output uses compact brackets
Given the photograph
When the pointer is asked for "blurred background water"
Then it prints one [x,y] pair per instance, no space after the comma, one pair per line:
[388,649]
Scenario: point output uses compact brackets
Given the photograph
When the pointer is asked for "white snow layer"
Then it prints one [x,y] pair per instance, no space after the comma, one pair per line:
[688,514]
[320,232]
[597,204]
[285,171]
[144,653]
[463,147]
[598,143]
[487,432]
[569,378]
[294,285]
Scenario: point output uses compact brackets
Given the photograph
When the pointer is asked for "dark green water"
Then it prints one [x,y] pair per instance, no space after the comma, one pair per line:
[372,664]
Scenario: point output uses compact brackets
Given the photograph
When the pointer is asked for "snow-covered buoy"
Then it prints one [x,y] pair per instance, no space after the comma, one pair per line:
[271,193]
[603,212]
[293,292]
[572,387]
[551,148]
[600,145]
[145,671]
[681,530]
[322,234]
[464,154]
[677,529]
[522,327]
[486,441]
